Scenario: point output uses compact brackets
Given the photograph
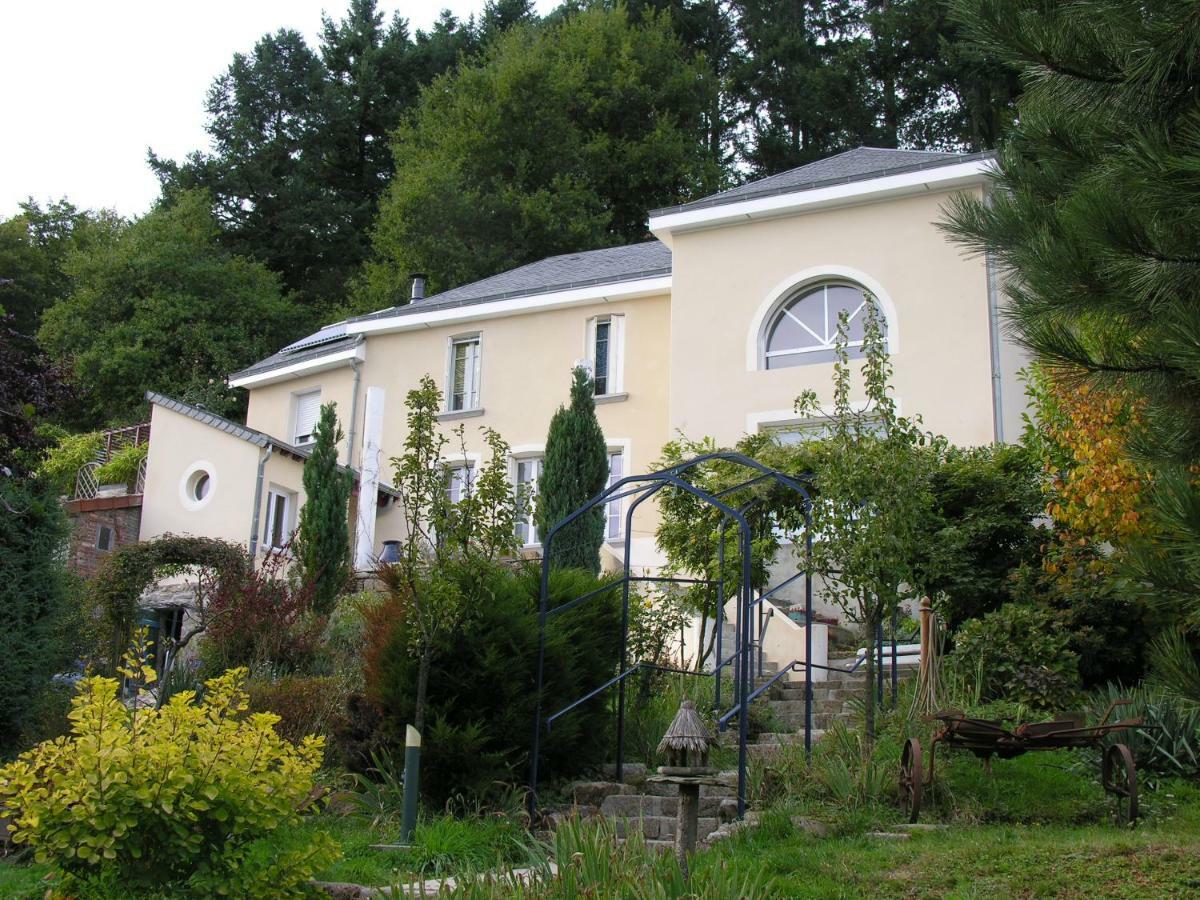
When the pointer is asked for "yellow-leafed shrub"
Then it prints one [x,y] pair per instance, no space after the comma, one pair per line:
[177,801]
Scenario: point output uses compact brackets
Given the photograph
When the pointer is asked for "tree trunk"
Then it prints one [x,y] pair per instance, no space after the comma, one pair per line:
[423,666]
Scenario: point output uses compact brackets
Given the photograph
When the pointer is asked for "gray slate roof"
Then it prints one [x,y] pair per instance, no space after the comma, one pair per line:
[858,164]
[304,349]
[611,265]
[250,435]
[614,265]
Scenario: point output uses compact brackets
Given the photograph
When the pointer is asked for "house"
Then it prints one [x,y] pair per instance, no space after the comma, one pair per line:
[711,328]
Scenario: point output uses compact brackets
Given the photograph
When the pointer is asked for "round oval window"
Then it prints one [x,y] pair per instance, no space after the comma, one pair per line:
[201,484]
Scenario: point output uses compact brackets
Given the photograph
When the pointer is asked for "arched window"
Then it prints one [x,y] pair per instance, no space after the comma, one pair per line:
[804,329]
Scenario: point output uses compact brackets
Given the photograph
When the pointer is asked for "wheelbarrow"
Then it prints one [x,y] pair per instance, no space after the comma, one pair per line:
[988,737]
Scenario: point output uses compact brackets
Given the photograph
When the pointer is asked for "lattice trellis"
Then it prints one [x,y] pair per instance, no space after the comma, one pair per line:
[86,483]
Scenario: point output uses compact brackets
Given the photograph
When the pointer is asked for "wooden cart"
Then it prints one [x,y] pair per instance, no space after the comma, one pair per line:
[988,737]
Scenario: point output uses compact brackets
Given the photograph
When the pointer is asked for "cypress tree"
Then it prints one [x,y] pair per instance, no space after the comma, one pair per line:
[575,470]
[35,641]
[322,544]
[1097,216]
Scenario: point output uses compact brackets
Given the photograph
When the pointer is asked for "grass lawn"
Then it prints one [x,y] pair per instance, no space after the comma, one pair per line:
[21,880]
[1036,827]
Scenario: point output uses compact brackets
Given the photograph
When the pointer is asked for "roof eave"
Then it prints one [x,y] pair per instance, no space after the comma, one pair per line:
[664,224]
[606,292]
[252,378]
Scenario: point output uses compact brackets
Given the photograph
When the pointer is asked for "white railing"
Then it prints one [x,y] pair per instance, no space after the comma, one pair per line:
[139,483]
[86,484]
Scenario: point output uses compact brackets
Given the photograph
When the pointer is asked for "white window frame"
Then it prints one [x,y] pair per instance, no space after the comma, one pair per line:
[806,279]
[289,518]
[101,530]
[298,399]
[614,510]
[468,465]
[527,530]
[473,373]
[821,343]
[616,351]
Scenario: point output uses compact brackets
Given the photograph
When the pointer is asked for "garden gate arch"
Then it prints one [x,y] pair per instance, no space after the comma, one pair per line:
[638,489]
[130,570]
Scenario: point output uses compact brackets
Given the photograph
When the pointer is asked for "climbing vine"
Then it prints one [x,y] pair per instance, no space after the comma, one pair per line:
[126,574]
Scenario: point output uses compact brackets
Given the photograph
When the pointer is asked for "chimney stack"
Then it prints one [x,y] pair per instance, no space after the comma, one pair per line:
[418,286]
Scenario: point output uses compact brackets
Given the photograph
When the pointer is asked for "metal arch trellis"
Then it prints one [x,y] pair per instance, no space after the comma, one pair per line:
[642,488]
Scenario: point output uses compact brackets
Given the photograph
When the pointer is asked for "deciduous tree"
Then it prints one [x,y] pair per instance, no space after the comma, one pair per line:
[875,514]
[164,307]
[557,140]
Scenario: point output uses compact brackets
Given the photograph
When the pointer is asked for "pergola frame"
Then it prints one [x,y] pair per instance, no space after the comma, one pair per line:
[747,636]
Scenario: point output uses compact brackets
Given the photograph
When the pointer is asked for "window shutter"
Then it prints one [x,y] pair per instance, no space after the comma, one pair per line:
[308,410]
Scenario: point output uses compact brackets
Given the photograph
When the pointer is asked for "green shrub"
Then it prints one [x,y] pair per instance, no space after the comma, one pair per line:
[63,461]
[304,704]
[175,801]
[1108,626]
[40,630]
[1023,655]
[446,845]
[653,701]
[482,683]
[341,650]
[1168,742]
[987,500]
[122,466]
[590,861]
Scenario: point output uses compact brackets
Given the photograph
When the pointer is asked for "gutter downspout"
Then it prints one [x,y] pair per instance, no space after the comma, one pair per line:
[356,365]
[994,338]
[258,492]
[994,327]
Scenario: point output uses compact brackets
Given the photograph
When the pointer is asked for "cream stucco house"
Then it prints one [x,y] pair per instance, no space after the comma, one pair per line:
[712,328]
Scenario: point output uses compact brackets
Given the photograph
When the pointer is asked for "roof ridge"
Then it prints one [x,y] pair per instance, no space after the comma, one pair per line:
[785,182]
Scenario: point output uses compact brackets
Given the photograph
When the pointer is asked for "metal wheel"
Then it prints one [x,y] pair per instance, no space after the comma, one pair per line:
[912,779]
[1118,774]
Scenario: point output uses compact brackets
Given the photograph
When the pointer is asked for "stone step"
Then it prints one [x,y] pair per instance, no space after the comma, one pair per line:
[786,737]
[794,709]
[643,806]
[662,828]
[822,689]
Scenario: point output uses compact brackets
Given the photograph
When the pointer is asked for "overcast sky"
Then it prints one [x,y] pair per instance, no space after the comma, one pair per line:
[86,86]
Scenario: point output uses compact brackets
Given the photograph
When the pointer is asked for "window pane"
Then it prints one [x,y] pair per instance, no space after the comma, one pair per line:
[805,331]
[459,377]
[616,471]
[528,472]
[787,335]
[601,354]
[278,520]
[464,375]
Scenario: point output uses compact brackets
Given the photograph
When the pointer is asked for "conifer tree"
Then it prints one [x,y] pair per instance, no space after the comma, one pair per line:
[1097,217]
[575,470]
[322,544]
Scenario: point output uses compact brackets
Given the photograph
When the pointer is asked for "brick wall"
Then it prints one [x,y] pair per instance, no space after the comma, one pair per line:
[122,515]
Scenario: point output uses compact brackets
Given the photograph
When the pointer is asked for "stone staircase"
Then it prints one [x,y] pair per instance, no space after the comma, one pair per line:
[832,703]
[634,803]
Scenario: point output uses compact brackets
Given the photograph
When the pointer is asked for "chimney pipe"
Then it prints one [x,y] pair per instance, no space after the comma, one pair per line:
[418,286]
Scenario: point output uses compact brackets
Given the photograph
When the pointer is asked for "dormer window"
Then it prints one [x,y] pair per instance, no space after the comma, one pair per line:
[307,411]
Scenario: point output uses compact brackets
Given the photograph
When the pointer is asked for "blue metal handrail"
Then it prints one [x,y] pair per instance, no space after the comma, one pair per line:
[645,487]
